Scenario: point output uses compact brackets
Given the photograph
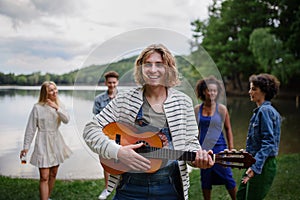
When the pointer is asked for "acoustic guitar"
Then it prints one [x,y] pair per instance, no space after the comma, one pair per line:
[152,149]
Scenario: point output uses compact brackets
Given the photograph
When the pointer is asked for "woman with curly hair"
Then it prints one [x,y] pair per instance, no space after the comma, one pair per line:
[263,138]
[212,116]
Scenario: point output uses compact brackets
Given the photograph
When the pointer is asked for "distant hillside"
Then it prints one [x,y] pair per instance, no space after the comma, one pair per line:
[86,76]
[93,74]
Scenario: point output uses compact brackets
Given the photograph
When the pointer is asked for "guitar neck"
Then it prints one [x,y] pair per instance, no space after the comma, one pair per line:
[226,159]
[169,154]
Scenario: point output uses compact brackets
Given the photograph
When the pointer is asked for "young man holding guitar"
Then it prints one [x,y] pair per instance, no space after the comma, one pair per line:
[151,115]
[168,110]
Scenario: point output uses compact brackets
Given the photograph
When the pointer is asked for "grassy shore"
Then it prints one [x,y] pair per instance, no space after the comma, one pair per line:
[286,185]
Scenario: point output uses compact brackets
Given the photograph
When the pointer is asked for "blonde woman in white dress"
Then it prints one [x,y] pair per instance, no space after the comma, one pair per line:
[50,149]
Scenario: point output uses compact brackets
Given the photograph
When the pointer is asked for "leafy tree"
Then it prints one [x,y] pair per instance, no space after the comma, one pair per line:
[288,29]
[226,37]
[21,80]
[270,54]
[33,79]
[7,79]
[265,48]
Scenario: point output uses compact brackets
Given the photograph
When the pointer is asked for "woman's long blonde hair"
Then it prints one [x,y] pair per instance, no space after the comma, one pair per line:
[44,92]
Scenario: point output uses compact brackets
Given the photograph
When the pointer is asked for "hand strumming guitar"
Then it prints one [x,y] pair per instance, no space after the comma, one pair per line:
[133,160]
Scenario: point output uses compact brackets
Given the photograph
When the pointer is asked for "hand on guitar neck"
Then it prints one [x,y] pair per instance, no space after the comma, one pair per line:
[203,159]
[143,152]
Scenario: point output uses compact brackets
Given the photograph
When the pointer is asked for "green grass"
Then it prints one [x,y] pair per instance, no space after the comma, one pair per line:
[285,186]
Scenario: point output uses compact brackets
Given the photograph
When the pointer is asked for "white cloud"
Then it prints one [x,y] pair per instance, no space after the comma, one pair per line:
[56,36]
[30,63]
[18,11]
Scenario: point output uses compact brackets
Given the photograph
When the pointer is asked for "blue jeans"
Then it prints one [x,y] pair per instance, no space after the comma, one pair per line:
[164,184]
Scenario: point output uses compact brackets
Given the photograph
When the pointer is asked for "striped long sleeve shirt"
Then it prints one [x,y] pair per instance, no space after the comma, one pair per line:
[124,108]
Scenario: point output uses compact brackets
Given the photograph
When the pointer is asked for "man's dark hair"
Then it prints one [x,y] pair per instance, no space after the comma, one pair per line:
[112,74]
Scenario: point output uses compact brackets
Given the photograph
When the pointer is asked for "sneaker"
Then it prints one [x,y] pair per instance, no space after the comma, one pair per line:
[104,194]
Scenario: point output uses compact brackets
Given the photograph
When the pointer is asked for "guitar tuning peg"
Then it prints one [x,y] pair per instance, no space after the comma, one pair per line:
[226,150]
[242,150]
[234,150]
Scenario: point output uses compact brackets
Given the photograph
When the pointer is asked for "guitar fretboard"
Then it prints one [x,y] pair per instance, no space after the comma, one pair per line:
[160,153]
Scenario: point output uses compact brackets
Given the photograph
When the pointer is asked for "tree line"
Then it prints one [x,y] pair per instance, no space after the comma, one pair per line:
[36,78]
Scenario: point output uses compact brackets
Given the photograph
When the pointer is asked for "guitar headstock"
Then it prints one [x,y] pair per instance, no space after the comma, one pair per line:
[234,159]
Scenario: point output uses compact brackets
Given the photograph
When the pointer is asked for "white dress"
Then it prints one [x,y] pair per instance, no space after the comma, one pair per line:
[50,148]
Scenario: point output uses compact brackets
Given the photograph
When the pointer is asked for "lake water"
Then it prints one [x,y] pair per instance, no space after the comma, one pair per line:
[16,104]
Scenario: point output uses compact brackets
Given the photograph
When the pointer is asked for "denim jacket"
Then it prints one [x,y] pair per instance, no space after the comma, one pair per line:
[263,135]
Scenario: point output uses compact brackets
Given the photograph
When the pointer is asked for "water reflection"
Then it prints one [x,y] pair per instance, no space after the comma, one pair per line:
[16,104]
[241,110]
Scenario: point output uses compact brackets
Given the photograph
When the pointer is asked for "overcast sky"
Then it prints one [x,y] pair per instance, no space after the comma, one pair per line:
[56,36]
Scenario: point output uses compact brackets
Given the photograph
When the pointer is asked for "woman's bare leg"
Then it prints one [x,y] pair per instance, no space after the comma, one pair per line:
[232,193]
[52,178]
[44,179]
[206,194]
